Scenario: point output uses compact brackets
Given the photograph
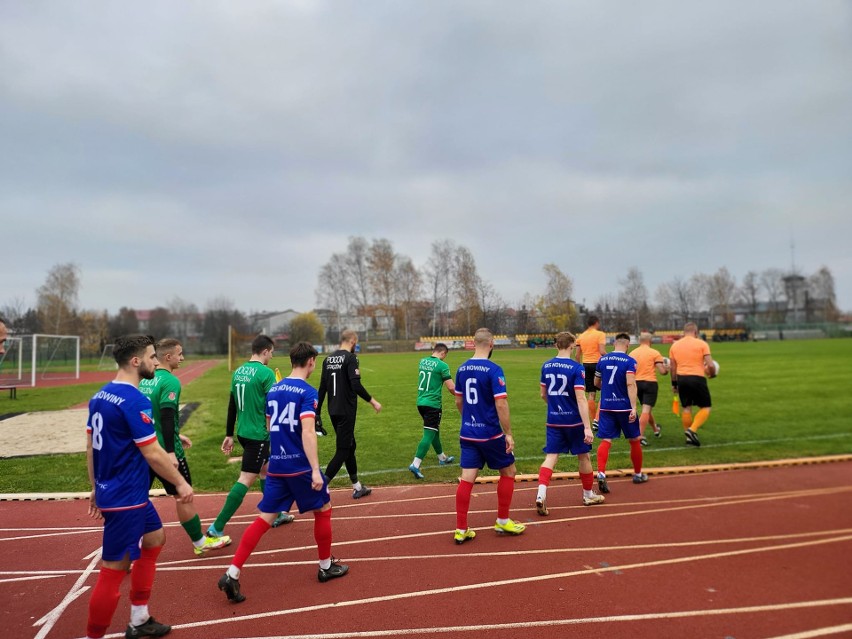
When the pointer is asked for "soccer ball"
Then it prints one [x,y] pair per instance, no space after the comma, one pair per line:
[713,371]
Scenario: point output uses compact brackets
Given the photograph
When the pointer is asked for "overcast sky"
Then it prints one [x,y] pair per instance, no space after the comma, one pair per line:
[227,149]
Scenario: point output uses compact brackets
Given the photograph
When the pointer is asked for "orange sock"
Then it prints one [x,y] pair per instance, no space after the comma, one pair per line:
[686,419]
[643,423]
[592,415]
[700,417]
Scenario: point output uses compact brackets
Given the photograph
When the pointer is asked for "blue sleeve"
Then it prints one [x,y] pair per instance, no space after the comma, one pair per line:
[140,419]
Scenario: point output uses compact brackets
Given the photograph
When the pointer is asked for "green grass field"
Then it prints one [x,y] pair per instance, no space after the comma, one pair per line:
[772,400]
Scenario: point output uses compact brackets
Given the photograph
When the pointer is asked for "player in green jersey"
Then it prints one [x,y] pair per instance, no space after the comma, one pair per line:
[433,375]
[164,392]
[247,408]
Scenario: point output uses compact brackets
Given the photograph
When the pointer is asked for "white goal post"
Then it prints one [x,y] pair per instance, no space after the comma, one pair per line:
[31,358]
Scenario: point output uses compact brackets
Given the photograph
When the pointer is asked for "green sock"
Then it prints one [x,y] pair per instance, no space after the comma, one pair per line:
[193,528]
[425,443]
[233,501]
[436,444]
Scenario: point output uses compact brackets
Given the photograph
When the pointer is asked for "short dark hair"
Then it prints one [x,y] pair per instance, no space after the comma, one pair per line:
[129,346]
[261,343]
[440,347]
[166,344]
[622,336]
[593,319]
[300,353]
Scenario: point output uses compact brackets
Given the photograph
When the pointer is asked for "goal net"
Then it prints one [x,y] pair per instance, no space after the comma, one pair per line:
[107,361]
[33,358]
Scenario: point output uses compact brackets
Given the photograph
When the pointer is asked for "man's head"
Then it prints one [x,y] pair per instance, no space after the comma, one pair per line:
[564,340]
[262,348]
[136,352]
[169,353]
[348,340]
[483,340]
[644,337]
[622,341]
[303,355]
[593,321]
[690,328]
[440,351]
[4,335]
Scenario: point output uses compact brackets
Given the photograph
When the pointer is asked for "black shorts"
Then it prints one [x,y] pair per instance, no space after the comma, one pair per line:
[183,469]
[344,429]
[431,417]
[693,391]
[255,454]
[590,377]
[647,392]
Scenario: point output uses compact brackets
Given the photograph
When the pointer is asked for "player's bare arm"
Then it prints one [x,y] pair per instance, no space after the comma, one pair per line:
[459,403]
[309,443]
[633,395]
[502,406]
[597,380]
[376,406]
[451,385]
[94,511]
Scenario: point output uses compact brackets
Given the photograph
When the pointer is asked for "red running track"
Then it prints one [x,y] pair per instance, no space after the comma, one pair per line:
[738,554]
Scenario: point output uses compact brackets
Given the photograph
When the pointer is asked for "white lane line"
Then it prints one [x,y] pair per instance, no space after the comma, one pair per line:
[589,620]
[49,620]
[33,578]
[817,632]
[602,513]
[510,582]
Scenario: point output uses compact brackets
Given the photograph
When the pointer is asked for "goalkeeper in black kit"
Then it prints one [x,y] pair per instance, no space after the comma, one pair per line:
[341,382]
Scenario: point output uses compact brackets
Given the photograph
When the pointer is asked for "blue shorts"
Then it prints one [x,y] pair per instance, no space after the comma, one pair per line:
[279,493]
[611,425]
[477,454]
[123,530]
[566,439]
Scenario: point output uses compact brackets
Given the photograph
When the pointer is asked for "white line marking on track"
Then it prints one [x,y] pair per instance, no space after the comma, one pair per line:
[33,578]
[49,620]
[601,513]
[817,632]
[511,582]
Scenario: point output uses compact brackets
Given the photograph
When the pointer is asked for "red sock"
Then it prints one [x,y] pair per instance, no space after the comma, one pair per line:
[544,475]
[603,454]
[142,576]
[505,488]
[463,503]
[636,455]
[588,480]
[104,601]
[322,532]
[250,539]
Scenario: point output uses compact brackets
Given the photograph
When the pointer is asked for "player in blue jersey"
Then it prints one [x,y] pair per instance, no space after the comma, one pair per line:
[121,446]
[563,388]
[485,436]
[615,375]
[293,474]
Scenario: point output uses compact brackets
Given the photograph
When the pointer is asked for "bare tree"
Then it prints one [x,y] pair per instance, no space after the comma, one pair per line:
[409,286]
[821,290]
[439,279]
[381,261]
[466,288]
[333,290]
[57,298]
[633,297]
[721,292]
[555,306]
[159,323]
[185,318]
[750,292]
[682,296]
[772,282]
